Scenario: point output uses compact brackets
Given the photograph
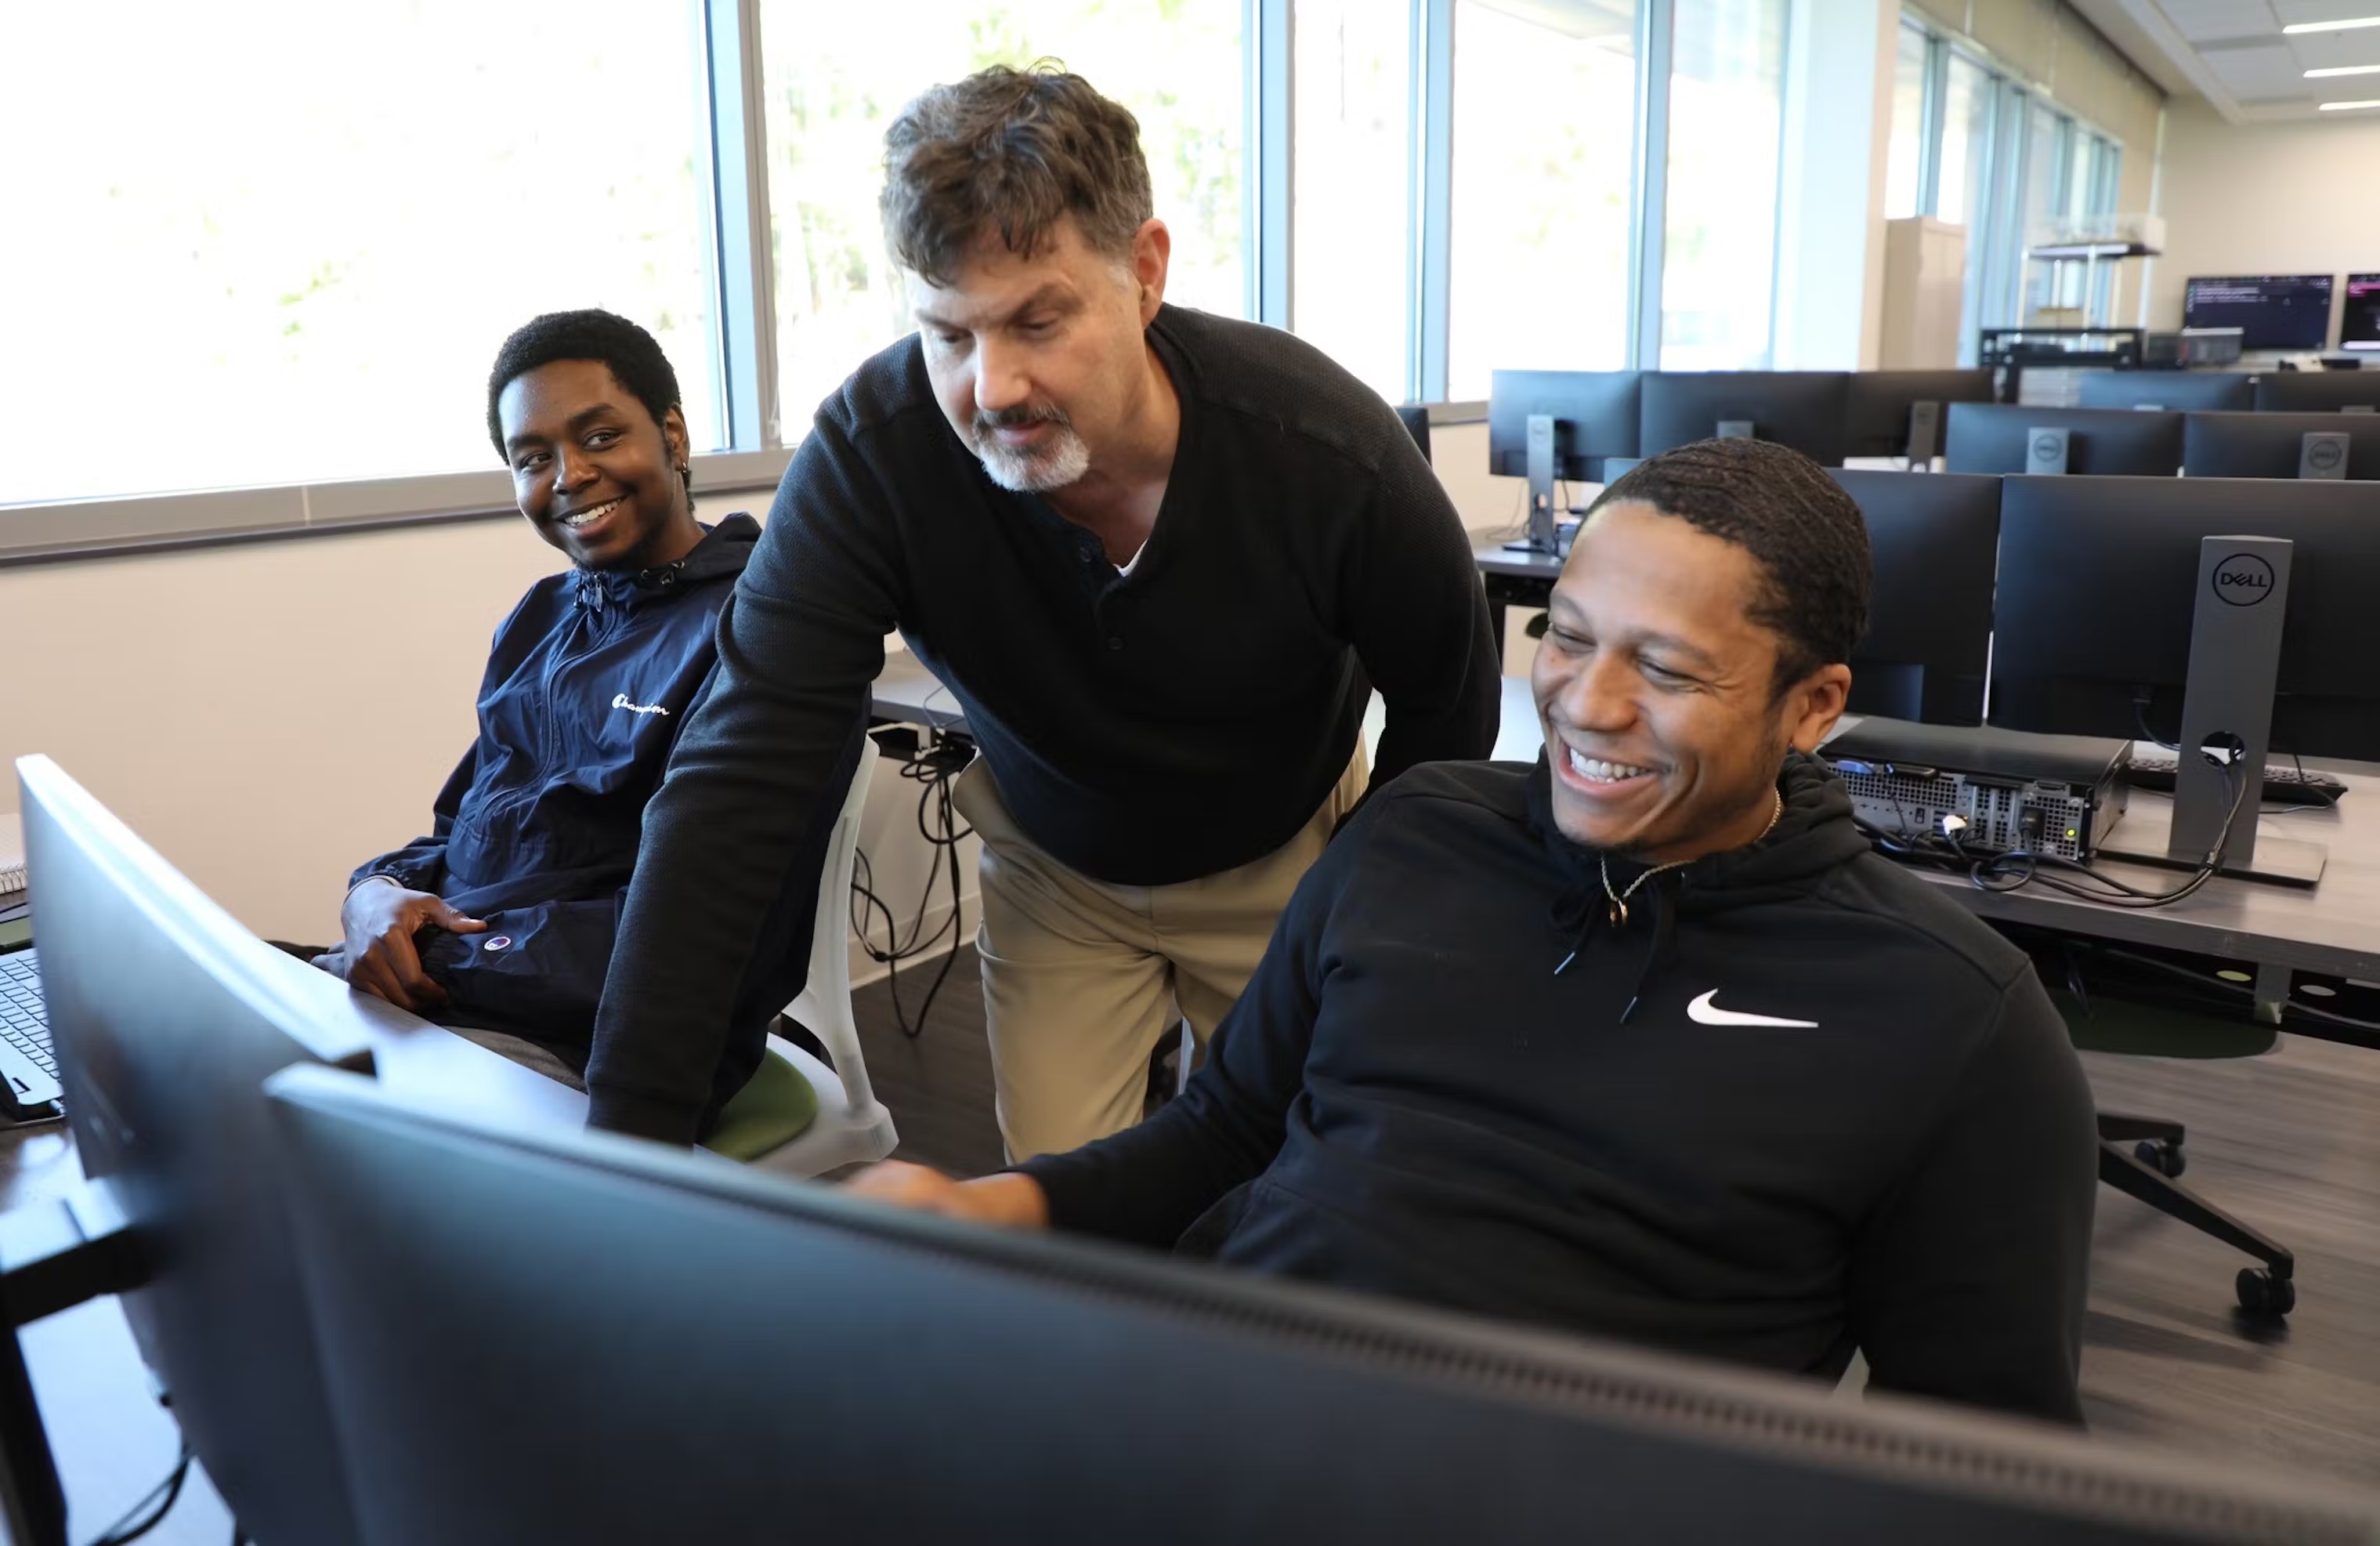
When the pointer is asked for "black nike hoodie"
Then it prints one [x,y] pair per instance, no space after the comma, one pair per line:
[1795,1103]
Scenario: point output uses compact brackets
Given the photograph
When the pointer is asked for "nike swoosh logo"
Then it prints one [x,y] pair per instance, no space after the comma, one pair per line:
[1703,1012]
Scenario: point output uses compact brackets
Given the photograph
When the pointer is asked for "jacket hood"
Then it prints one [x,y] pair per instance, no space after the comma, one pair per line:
[1814,836]
[723,552]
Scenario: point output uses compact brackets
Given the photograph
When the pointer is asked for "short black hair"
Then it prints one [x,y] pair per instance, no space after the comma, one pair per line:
[635,360]
[1806,534]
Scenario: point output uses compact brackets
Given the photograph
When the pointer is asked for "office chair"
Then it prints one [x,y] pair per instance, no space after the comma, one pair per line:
[804,1118]
[2142,1156]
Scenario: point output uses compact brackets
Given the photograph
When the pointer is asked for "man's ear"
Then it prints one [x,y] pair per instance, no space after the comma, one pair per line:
[1814,704]
[674,437]
[1152,253]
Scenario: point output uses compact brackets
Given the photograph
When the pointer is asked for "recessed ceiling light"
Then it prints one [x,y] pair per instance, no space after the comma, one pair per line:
[2342,69]
[2349,107]
[2360,22]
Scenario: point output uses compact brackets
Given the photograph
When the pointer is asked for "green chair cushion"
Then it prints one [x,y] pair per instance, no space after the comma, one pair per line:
[2117,1025]
[775,1106]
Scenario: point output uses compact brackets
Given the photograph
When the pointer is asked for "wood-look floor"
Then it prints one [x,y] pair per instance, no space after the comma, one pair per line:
[2288,1140]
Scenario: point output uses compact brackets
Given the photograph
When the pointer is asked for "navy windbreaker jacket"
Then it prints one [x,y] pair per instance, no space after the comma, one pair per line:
[536,832]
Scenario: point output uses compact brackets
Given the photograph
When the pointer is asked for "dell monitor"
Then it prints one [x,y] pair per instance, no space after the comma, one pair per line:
[2010,438]
[166,1016]
[1548,426]
[577,1337]
[2358,314]
[2271,311]
[2333,446]
[2180,390]
[1804,409]
[1900,413]
[2318,392]
[2099,586]
[1934,542]
[1414,417]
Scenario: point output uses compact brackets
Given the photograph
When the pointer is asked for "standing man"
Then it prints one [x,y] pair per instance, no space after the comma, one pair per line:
[1161,558]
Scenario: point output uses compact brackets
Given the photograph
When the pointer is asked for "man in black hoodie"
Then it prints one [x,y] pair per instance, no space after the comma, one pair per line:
[1642,1041]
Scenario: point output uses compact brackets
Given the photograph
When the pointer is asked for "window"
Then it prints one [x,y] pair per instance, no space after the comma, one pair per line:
[1544,125]
[1966,157]
[1727,87]
[1352,96]
[1906,158]
[291,260]
[834,76]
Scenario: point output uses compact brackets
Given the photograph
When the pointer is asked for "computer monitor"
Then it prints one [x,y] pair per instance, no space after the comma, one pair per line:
[1581,417]
[1414,417]
[1804,409]
[2182,391]
[2275,445]
[2318,392]
[2001,438]
[1934,539]
[576,1337]
[2358,313]
[166,1016]
[2272,311]
[2099,585]
[1884,409]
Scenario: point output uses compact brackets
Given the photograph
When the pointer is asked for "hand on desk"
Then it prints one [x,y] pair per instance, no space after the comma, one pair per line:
[380,920]
[1010,1201]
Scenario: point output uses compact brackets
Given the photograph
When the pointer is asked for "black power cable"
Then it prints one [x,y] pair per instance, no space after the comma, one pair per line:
[158,1501]
[936,767]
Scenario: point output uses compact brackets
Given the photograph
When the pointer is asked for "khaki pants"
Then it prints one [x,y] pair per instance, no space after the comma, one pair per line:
[1082,980]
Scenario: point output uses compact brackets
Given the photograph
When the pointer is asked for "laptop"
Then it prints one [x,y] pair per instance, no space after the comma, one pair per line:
[29,1068]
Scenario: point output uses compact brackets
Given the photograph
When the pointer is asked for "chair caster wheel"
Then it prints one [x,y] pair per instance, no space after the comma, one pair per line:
[2262,1293]
[2165,1159]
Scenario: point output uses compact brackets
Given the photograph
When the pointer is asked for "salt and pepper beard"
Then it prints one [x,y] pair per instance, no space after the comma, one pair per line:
[1036,469]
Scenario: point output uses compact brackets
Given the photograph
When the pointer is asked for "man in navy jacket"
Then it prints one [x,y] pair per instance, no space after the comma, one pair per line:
[1642,1041]
[502,921]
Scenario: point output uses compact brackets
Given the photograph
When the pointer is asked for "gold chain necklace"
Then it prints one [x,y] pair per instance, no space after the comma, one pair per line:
[1619,912]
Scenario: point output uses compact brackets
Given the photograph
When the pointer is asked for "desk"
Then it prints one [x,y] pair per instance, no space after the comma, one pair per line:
[2333,929]
[110,1439]
[1513,579]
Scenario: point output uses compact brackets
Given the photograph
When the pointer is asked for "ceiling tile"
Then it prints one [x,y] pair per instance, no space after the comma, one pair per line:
[2258,74]
[2207,21]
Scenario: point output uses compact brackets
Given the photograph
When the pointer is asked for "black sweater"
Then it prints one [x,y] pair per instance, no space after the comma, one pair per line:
[1148,729]
[1411,1099]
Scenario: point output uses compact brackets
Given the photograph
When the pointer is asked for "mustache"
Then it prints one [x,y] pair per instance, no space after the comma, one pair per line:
[1019,417]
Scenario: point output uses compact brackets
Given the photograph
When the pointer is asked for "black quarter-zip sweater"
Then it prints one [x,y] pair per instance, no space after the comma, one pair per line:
[1145,729]
[1798,1102]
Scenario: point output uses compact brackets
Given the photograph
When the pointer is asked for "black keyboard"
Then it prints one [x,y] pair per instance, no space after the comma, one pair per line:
[24,1022]
[2283,784]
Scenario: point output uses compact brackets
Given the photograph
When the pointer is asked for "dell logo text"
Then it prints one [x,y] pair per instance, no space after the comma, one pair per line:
[2244,579]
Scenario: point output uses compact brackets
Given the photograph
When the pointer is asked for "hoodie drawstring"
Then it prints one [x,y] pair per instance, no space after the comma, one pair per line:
[1583,917]
[1665,946]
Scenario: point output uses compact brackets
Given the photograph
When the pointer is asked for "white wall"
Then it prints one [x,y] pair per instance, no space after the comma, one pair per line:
[2290,198]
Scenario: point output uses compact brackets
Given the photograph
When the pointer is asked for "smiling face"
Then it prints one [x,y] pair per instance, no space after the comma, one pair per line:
[1664,728]
[593,473]
[1038,362]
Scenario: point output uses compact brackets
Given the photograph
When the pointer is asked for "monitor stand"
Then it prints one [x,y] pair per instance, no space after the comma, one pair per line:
[1925,436]
[2227,708]
[2323,455]
[2045,451]
[1736,429]
[1545,521]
